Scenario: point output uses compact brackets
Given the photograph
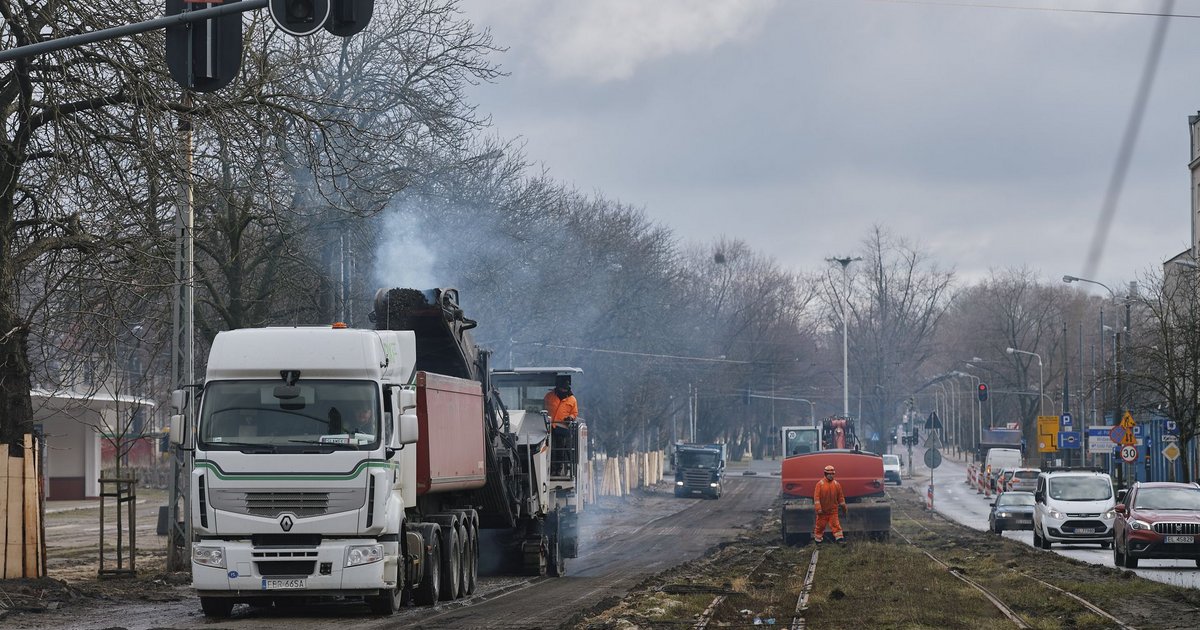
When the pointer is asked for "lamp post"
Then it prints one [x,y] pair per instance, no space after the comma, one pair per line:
[1041,376]
[976,418]
[845,263]
[812,410]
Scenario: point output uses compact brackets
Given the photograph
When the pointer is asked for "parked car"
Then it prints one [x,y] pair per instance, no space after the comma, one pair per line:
[1021,479]
[1073,505]
[1011,510]
[1157,520]
[891,469]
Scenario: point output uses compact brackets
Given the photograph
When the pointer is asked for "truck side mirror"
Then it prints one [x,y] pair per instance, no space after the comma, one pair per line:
[179,399]
[408,431]
[180,435]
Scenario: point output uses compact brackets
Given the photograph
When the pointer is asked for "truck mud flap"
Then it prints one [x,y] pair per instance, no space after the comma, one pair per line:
[568,532]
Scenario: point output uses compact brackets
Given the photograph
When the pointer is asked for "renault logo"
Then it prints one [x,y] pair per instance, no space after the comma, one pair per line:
[286,523]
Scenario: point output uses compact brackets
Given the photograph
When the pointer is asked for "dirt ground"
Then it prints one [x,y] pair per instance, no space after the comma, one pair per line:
[849,582]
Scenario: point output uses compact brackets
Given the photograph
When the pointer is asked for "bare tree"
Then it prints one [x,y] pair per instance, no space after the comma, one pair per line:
[1165,354]
[897,302]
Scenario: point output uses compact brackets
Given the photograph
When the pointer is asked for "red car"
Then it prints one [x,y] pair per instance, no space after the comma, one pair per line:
[1157,520]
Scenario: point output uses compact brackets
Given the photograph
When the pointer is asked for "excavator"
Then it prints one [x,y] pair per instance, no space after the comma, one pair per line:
[859,472]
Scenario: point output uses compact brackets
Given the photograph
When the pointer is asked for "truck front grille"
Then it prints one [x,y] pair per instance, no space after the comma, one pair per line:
[271,504]
[286,568]
[696,478]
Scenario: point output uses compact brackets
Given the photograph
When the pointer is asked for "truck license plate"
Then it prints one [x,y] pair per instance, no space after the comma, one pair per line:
[275,585]
[1181,540]
[1085,530]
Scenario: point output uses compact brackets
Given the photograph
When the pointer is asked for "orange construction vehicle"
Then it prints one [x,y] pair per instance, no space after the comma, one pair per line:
[860,474]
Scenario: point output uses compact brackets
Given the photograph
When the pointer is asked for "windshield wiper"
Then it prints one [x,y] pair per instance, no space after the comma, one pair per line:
[240,445]
[329,444]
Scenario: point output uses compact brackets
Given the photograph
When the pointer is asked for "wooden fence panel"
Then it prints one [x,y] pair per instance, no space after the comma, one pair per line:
[22,553]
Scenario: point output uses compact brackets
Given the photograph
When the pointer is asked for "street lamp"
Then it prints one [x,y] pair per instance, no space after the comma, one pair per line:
[1041,376]
[812,410]
[976,381]
[845,263]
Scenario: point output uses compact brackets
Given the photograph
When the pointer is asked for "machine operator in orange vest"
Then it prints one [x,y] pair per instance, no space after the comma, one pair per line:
[560,402]
[828,499]
[562,408]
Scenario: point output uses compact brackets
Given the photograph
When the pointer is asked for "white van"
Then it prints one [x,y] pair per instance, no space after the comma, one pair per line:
[1073,506]
[998,459]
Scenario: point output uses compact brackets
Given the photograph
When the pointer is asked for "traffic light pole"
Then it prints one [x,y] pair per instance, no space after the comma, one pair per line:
[62,43]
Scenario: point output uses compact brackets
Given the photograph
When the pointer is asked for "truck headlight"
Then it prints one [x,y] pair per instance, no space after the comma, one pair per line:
[209,556]
[363,554]
[1110,514]
[1056,514]
[712,485]
[679,483]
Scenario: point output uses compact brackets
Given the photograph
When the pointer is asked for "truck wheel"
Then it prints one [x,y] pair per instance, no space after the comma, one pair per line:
[387,602]
[471,570]
[451,564]
[216,607]
[428,591]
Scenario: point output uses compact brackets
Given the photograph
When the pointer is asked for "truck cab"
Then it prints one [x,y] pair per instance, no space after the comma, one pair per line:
[699,470]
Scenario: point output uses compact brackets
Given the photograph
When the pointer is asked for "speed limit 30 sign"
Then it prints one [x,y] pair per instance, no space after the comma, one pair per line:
[1129,454]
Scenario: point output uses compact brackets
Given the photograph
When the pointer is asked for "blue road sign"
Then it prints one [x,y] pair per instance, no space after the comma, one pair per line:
[1066,420]
[1068,439]
[1172,427]
[1138,430]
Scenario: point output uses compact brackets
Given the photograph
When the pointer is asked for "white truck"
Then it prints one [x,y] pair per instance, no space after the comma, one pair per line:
[328,463]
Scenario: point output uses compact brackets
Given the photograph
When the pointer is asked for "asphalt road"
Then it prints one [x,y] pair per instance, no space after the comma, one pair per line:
[620,546]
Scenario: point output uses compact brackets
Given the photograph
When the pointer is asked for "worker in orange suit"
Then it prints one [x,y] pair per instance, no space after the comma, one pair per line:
[560,402]
[828,500]
[562,408]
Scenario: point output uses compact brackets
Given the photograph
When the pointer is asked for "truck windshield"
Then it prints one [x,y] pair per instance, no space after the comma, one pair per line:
[241,414]
[799,440]
[696,459]
[1081,488]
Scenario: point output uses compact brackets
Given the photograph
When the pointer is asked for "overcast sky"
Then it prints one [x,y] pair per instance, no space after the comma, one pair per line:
[987,135]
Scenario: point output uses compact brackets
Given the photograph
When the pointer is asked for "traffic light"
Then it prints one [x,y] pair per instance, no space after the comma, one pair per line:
[982,392]
[203,56]
[347,17]
[299,17]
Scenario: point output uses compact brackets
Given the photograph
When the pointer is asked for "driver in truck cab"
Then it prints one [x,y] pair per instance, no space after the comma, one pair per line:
[828,499]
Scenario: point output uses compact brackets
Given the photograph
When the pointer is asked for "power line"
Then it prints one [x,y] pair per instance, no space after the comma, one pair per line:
[643,354]
[971,5]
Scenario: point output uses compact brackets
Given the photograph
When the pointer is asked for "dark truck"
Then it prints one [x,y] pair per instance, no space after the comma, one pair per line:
[699,469]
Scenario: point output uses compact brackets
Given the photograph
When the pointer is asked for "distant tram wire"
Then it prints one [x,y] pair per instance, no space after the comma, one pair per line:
[1128,142]
[1166,12]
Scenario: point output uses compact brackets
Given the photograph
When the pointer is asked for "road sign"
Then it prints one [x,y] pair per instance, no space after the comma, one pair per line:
[1066,420]
[1129,454]
[1172,427]
[1068,440]
[1128,439]
[1127,420]
[1116,434]
[933,458]
[1098,440]
[1171,452]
